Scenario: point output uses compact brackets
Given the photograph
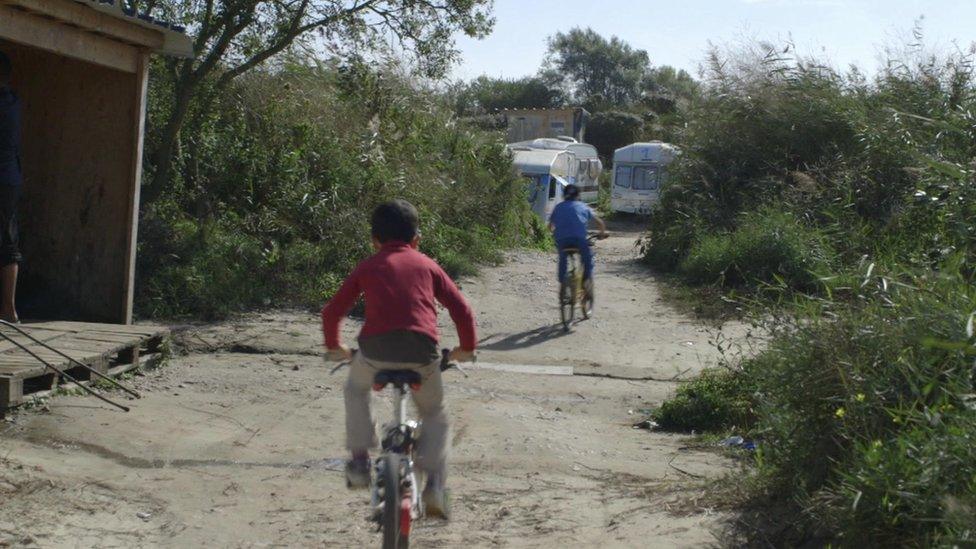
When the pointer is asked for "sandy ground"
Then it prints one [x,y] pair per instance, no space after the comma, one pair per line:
[238,440]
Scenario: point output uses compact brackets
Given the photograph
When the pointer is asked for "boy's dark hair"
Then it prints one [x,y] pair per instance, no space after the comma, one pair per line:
[395,220]
[6,68]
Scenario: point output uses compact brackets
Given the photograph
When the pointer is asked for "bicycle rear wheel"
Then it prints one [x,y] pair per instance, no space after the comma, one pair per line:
[394,537]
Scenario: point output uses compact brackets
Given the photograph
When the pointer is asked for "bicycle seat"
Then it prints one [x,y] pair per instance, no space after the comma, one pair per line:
[398,378]
[571,250]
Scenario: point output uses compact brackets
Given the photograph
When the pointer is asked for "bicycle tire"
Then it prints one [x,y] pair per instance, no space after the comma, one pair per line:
[567,300]
[586,300]
[390,476]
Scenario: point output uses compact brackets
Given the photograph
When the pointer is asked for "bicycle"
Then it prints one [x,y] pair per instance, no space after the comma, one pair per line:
[394,496]
[573,290]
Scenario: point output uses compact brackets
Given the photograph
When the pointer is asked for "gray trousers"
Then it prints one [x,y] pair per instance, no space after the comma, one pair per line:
[432,448]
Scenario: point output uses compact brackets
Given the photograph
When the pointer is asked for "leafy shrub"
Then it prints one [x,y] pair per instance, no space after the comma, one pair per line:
[864,412]
[716,400]
[767,246]
[863,398]
[271,201]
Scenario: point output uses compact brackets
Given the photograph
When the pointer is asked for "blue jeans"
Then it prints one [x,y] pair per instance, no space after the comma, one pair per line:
[586,255]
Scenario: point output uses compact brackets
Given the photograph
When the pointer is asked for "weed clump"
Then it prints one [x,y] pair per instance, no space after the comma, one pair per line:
[714,401]
[766,247]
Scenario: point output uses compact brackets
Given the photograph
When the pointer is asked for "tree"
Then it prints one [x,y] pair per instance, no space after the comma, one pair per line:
[598,72]
[485,95]
[669,81]
[610,130]
[232,37]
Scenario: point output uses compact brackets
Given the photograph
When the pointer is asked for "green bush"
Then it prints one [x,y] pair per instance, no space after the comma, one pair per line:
[862,401]
[718,399]
[270,203]
[766,247]
[864,413]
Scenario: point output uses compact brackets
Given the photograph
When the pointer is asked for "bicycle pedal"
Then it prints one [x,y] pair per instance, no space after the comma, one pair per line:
[376,516]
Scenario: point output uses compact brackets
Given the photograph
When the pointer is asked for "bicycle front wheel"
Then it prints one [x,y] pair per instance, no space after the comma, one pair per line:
[394,537]
[586,299]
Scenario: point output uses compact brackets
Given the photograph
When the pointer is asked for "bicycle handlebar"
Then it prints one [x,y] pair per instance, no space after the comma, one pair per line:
[445,365]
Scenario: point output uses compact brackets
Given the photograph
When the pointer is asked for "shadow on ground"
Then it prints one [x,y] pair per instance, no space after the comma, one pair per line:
[523,340]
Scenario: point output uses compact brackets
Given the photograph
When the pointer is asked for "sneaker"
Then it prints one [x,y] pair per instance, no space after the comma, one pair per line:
[357,474]
[436,503]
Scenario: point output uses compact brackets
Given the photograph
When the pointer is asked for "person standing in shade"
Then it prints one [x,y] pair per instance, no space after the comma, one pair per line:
[10,181]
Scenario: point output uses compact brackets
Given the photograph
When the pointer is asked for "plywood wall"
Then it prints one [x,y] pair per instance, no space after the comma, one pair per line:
[79,142]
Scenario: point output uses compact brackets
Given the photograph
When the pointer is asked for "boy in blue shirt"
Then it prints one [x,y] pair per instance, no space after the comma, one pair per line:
[568,222]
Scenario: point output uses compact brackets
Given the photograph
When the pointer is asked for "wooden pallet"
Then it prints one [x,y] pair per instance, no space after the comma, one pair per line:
[109,349]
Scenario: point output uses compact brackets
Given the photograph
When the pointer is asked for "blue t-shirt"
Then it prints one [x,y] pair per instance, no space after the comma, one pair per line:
[570,219]
[9,138]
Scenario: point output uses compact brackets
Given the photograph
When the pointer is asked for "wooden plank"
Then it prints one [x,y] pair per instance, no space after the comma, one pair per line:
[24,28]
[96,347]
[74,327]
[123,340]
[132,228]
[6,345]
[92,21]
[145,361]
[23,371]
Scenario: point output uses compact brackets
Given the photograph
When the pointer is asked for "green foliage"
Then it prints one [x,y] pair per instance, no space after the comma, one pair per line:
[862,399]
[718,399]
[868,166]
[766,247]
[671,82]
[608,131]
[487,95]
[278,178]
[600,72]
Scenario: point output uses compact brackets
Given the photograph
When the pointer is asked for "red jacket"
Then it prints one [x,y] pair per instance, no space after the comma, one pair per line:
[401,286]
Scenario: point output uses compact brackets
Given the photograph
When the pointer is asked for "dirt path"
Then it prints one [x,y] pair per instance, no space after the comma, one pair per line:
[238,442]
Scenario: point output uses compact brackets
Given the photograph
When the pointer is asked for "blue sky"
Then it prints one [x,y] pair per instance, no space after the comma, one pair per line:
[678,33]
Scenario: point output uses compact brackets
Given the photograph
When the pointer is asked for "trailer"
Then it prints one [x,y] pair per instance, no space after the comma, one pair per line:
[639,171]
[546,174]
[588,167]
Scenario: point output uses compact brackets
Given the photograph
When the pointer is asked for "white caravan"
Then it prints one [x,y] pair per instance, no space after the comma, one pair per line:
[546,173]
[639,170]
[588,167]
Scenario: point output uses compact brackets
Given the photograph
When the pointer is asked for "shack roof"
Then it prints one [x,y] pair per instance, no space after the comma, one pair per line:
[544,110]
[110,19]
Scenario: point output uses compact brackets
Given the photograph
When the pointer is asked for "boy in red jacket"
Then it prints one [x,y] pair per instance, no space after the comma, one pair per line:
[401,286]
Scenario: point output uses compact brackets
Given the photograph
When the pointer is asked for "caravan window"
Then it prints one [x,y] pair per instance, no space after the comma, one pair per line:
[623,176]
[552,187]
[646,178]
[595,168]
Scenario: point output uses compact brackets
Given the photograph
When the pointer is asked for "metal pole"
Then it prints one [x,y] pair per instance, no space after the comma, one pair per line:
[75,361]
[64,374]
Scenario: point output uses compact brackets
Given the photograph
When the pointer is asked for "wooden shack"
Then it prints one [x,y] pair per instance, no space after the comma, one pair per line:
[528,124]
[80,69]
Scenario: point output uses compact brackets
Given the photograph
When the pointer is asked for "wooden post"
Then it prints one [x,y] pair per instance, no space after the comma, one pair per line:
[139,127]
[11,392]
